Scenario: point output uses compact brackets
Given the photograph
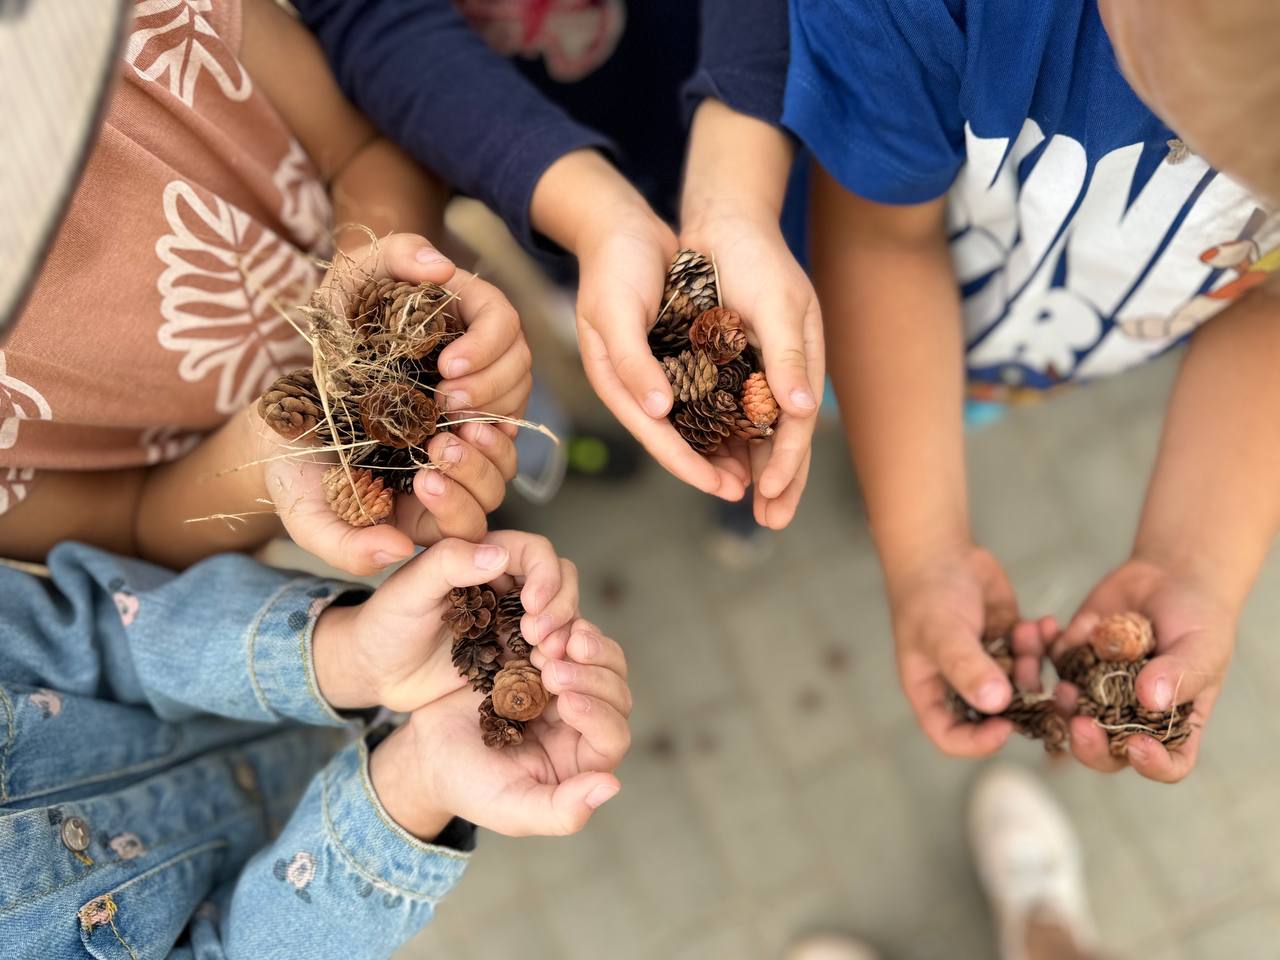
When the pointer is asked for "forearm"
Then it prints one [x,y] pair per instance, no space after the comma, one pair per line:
[1213,504]
[580,194]
[211,501]
[382,189]
[896,356]
[737,166]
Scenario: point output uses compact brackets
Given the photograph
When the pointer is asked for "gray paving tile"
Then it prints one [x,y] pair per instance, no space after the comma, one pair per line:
[1251,932]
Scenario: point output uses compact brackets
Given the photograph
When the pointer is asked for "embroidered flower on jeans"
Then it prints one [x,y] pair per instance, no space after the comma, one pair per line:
[298,873]
[127,846]
[47,702]
[96,912]
[126,606]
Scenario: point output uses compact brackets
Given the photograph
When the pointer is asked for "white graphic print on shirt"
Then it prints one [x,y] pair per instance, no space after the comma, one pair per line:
[1068,276]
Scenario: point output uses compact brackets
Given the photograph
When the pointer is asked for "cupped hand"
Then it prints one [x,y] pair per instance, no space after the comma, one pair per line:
[393,650]
[550,784]
[466,469]
[942,610]
[761,280]
[1195,634]
[622,264]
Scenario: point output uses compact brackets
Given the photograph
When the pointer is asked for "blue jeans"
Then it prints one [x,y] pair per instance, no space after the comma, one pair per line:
[172,784]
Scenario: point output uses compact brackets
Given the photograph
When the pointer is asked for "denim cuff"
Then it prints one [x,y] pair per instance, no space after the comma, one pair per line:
[280,656]
[376,846]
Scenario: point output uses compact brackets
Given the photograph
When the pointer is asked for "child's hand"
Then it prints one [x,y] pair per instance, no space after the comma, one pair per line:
[1195,634]
[436,766]
[488,370]
[941,612]
[393,650]
[761,280]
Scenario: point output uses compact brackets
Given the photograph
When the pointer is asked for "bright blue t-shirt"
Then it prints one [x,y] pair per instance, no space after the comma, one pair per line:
[1085,238]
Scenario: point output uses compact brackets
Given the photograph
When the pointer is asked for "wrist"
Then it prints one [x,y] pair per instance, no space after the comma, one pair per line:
[342,682]
[581,194]
[905,556]
[403,786]
[1192,562]
[719,182]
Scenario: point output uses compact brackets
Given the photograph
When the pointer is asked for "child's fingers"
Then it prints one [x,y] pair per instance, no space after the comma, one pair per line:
[1089,745]
[493,328]
[464,465]
[551,647]
[966,666]
[658,437]
[555,613]
[780,329]
[1184,669]
[534,558]
[476,391]
[496,447]
[791,443]
[621,320]
[511,404]
[544,810]
[418,587]
[563,676]
[604,730]
[780,511]
[454,510]
[401,256]
[588,645]
[926,693]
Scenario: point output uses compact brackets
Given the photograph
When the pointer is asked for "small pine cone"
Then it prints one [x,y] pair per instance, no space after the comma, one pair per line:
[691,285]
[362,505]
[470,611]
[1075,663]
[692,375]
[395,465]
[478,659]
[746,430]
[396,415]
[415,319]
[452,329]
[499,732]
[518,693]
[290,406]
[669,336]
[365,312]
[757,401]
[719,331]
[342,429]
[705,423]
[733,375]
[510,610]
[1123,636]
[1036,717]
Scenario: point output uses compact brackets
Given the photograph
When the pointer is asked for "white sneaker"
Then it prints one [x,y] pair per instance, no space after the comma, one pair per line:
[830,946]
[1028,859]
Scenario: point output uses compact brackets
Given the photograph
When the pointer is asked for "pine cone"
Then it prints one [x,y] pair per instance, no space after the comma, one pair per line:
[692,375]
[342,429]
[691,285]
[363,505]
[507,624]
[453,328]
[705,423]
[499,732]
[365,311]
[290,406]
[1033,715]
[396,415]
[518,693]
[478,659]
[746,430]
[416,319]
[470,612]
[733,375]
[720,332]
[396,466]
[669,336]
[1123,636]
[757,401]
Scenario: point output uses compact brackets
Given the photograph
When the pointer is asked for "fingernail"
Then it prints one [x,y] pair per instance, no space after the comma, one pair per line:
[803,399]
[1164,697]
[990,696]
[489,557]
[434,483]
[601,795]
[564,672]
[459,399]
[382,558]
[655,403]
[429,255]
[456,368]
[453,451]
[483,435]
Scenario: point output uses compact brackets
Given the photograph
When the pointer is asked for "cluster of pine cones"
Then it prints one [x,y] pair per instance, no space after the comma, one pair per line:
[720,389]
[484,627]
[380,369]
[1104,671]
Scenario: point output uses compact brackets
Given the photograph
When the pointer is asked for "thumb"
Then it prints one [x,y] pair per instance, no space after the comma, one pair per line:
[400,256]
[1189,666]
[419,586]
[780,329]
[557,811]
[619,318]
[959,656]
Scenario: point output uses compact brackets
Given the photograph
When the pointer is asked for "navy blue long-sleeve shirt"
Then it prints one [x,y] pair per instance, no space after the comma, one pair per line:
[491,126]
